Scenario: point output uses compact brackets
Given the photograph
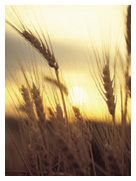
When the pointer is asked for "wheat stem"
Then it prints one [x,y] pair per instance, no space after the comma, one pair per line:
[62,96]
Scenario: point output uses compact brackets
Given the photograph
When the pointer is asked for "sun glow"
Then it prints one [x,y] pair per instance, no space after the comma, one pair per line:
[74,27]
[77,96]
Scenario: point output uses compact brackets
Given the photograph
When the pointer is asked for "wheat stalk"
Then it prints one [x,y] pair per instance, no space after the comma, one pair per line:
[54,82]
[128,41]
[128,27]
[81,151]
[86,134]
[71,156]
[28,106]
[51,115]
[127,84]
[59,115]
[41,151]
[77,113]
[42,47]
[108,86]
[38,103]
[127,77]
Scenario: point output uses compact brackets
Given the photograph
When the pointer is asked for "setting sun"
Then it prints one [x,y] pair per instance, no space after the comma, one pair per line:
[77,96]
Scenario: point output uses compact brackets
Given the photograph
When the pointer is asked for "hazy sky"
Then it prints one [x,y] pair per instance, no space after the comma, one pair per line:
[72,30]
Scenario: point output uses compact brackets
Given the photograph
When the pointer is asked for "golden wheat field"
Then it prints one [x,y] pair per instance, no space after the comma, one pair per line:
[68,90]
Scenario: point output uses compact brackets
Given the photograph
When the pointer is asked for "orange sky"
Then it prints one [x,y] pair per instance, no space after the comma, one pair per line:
[71,29]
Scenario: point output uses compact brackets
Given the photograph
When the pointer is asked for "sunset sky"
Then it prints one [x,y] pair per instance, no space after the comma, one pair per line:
[74,31]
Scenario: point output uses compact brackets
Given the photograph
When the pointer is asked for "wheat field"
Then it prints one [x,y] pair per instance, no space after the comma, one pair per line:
[54,125]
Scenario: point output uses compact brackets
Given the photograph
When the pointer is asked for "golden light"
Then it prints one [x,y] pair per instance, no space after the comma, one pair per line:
[77,96]
[74,27]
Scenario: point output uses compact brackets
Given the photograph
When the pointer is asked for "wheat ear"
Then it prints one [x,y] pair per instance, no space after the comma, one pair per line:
[43,47]
[28,104]
[41,151]
[59,116]
[77,113]
[38,103]
[51,114]
[86,134]
[40,46]
[109,94]
[81,151]
[68,152]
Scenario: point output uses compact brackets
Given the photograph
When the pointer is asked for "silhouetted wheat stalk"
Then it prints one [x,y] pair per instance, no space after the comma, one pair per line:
[128,27]
[109,94]
[27,107]
[104,82]
[37,147]
[38,103]
[43,47]
[127,83]
[86,134]
[54,82]
[127,76]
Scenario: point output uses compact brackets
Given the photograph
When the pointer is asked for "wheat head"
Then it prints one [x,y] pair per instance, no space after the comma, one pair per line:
[109,93]
[38,103]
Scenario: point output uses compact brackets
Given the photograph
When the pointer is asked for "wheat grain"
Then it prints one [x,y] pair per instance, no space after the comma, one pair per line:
[42,47]
[109,94]
[38,103]
[41,151]
[45,51]
[85,133]
[28,106]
